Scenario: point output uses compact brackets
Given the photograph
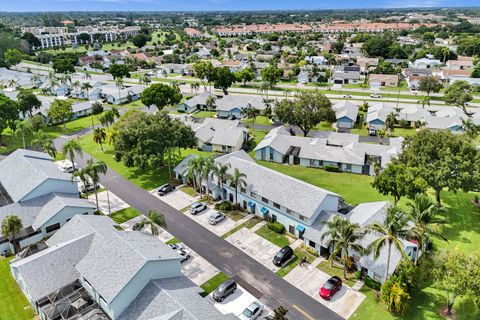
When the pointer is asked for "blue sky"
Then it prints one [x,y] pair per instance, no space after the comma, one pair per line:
[198,5]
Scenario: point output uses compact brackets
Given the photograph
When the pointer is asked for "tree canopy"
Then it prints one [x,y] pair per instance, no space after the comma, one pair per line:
[429,84]
[161,95]
[119,71]
[27,101]
[60,111]
[443,160]
[8,113]
[142,140]
[306,110]
[459,93]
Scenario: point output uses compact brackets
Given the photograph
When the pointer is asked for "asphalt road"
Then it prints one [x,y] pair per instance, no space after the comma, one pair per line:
[215,250]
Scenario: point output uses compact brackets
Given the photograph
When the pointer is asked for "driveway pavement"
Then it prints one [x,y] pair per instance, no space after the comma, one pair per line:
[177,199]
[236,302]
[219,229]
[309,279]
[198,269]
[116,204]
[255,246]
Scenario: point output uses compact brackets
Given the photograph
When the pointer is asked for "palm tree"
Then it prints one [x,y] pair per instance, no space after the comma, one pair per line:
[194,86]
[119,85]
[145,79]
[390,121]
[11,225]
[332,235]
[389,232]
[207,171]
[12,83]
[86,86]
[154,219]
[93,169]
[82,174]
[221,172]
[23,127]
[108,117]
[76,85]
[445,51]
[422,213]
[237,179]
[99,136]
[70,148]
[251,113]
[42,142]
[267,113]
[346,236]
[194,166]
[210,102]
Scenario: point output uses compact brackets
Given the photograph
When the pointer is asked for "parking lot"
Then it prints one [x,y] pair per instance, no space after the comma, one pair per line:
[257,247]
[198,269]
[219,229]
[116,204]
[237,302]
[177,199]
[309,279]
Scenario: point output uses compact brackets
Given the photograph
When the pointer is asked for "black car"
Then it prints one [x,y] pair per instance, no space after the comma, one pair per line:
[224,290]
[166,188]
[283,256]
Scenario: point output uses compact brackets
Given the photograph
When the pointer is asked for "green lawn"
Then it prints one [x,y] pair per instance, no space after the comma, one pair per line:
[275,238]
[210,285]
[336,270]
[10,142]
[189,190]
[13,304]
[323,126]
[172,241]
[204,114]
[235,215]
[147,179]
[256,137]
[247,224]
[299,253]
[258,120]
[124,215]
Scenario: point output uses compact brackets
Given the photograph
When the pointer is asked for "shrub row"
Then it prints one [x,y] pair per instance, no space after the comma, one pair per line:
[276,227]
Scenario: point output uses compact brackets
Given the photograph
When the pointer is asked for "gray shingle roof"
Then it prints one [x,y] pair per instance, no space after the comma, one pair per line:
[292,193]
[24,170]
[230,102]
[172,298]
[219,131]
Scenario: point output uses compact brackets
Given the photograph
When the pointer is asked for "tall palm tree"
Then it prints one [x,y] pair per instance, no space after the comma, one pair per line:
[267,113]
[207,171]
[390,121]
[99,136]
[194,166]
[93,169]
[237,179]
[119,85]
[423,214]
[332,235]
[11,225]
[23,127]
[70,148]
[194,86]
[76,85]
[86,86]
[153,219]
[42,142]
[389,233]
[12,83]
[108,117]
[221,172]
[82,174]
[210,102]
[347,236]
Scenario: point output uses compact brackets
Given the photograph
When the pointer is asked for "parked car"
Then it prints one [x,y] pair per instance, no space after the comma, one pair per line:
[176,246]
[282,256]
[224,290]
[137,226]
[375,95]
[184,253]
[347,95]
[197,207]
[372,132]
[89,187]
[215,218]
[166,188]
[252,311]
[330,287]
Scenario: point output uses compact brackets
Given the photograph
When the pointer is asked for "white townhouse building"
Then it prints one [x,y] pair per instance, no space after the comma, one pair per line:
[91,270]
[40,194]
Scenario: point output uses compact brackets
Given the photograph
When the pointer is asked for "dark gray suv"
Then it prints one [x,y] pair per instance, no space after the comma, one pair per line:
[224,290]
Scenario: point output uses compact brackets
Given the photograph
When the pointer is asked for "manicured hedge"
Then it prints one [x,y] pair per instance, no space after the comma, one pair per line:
[225,206]
[276,227]
[332,168]
[369,282]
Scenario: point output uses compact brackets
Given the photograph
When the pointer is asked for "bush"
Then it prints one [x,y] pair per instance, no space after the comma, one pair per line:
[404,123]
[225,206]
[310,250]
[369,282]
[331,168]
[276,227]
[358,274]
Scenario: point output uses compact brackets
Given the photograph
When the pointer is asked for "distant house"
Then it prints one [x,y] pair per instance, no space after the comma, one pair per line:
[346,113]
[339,150]
[20,79]
[383,80]
[346,76]
[219,135]
[42,196]
[230,106]
[198,102]
[425,63]
[173,68]
[459,64]
[233,65]
[91,270]
[318,60]
[112,94]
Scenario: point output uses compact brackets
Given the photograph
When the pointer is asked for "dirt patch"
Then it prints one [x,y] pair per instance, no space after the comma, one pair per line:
[444,313]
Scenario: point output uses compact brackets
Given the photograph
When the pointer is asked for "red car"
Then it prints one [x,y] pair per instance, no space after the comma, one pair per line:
[330,287]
